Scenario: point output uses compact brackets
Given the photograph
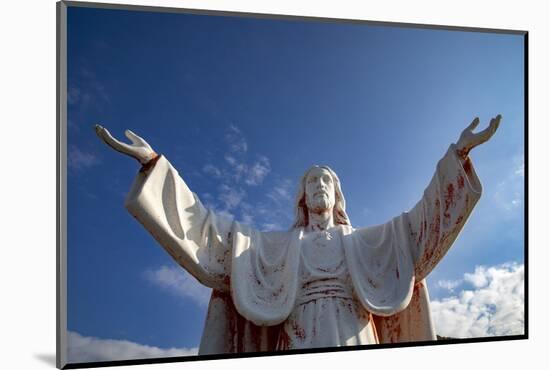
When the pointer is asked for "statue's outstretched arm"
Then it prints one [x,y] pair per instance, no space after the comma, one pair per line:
[161,201]
[437,219]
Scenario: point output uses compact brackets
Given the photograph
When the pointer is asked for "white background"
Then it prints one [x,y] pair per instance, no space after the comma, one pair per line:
[27,182]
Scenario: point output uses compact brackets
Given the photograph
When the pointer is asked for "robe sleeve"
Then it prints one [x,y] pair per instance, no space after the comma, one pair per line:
[436,220]
[195,237]
[253,274]
[389,262]
[386,260]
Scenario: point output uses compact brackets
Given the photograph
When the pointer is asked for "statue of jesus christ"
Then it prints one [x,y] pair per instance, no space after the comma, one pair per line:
[324,283]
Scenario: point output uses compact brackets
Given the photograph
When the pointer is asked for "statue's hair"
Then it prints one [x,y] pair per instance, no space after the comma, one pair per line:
[339,209]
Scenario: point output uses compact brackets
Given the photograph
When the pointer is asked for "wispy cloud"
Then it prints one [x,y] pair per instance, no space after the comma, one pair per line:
[493,305]
[179,282]
[86,90]
[212,170]
[271,226]
[238,174]
[247,218]
[509,194]
[449,285]
[240,169]
[78,159]
[87,96]
[74,95]
[230,197]
[236,140]
[231,160]
[258,171]
[227,215]
[281,192]
[91,349]
[520,168]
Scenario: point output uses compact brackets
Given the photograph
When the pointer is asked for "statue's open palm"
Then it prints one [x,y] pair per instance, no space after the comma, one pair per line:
[139,149]
[469,140]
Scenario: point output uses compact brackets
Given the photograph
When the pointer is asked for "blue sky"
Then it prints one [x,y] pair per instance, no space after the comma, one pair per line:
[242,107]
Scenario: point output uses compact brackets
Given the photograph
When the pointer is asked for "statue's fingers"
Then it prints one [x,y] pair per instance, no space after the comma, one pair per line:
[490,131]
[133,137]
[138,140]
[473,125]
[114,143]
[495,122]
[496,126]
[486,134]
[98,129]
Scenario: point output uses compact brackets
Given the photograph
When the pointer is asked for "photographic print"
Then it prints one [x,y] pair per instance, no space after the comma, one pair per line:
[241,183]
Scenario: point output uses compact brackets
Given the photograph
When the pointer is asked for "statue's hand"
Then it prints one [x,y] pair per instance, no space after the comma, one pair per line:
[468,140]
[139,149]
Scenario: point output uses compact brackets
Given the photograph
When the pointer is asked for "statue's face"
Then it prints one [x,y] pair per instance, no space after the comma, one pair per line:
[320,195]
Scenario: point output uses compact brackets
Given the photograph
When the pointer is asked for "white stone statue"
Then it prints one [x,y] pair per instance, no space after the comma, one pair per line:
[322,284]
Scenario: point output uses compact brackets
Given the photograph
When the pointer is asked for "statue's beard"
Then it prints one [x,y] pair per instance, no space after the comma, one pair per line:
[319,204]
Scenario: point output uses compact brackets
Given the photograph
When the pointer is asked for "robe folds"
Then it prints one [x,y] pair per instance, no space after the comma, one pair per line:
[255,276]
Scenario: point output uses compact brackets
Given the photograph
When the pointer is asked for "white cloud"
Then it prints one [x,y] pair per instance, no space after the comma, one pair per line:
[77,159]
[179,282]
[230,159]
[230,197]
[247,218]
[92,349]
[520,170]
[77,97]
[241,170]
[271,226]
[238,173]
[450,285]
[519,163]
[252,174]
[73,95]
[236,140]
[88,91]
[494,307]
[509,193]
[212,170]
[281,192]
[225,214]
[258,171]
[479,278]
[237,169]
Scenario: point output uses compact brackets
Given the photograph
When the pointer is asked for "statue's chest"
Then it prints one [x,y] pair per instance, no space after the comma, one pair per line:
[322,252]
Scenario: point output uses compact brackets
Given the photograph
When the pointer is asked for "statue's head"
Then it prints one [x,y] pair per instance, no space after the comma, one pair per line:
[320,191]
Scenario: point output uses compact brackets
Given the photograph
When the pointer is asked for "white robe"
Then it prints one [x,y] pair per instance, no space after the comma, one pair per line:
[258,277]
